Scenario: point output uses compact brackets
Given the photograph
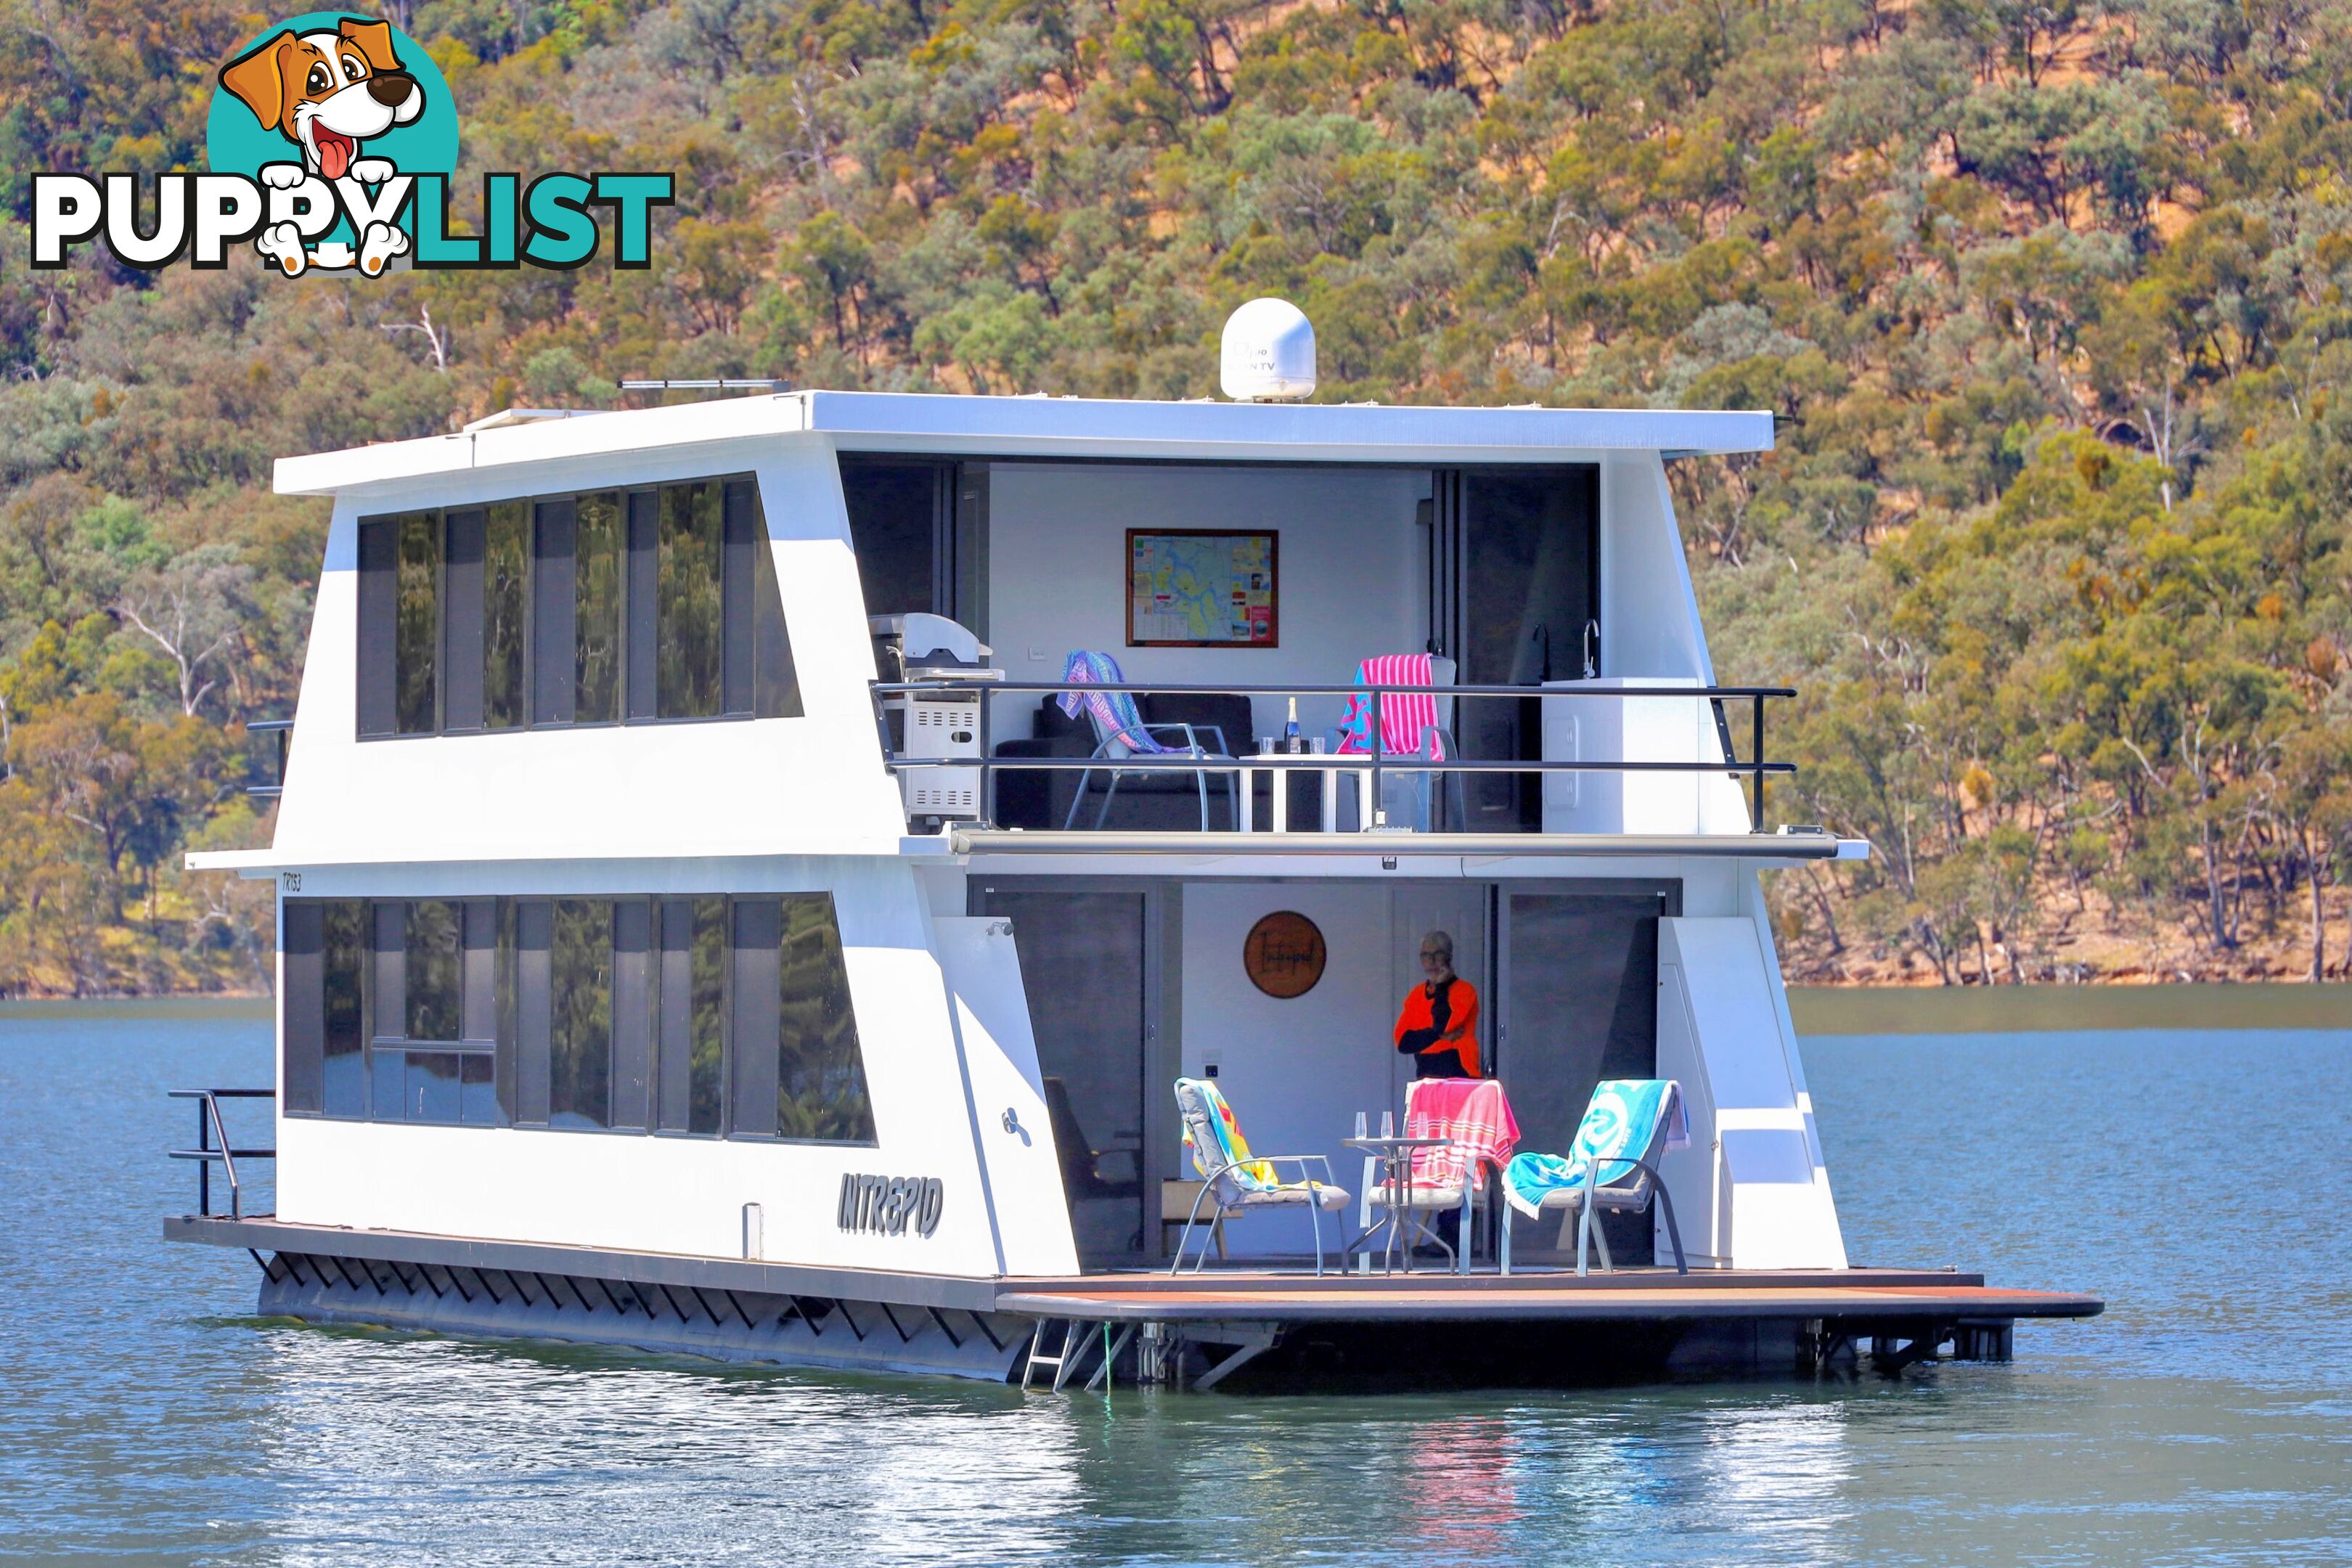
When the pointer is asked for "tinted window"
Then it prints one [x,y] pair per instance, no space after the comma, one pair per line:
[776,684]
[431,1084]
[594,609]
[693,1014]
[345,946]
[555,675]
[418,626]
[378,698]
[596,650]
[431,942]
[687,626]
[580,1042]
[478,1094]
[820,1072]
[506,564]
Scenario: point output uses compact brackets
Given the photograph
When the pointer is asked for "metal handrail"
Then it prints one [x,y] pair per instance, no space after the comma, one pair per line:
[209,1124]
[1378,760]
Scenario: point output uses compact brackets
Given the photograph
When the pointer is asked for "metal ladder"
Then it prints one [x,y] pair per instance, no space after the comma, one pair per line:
[1076,1336]
[1060,1360]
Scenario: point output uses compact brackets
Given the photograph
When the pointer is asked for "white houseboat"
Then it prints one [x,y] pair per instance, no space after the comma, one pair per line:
[703,927]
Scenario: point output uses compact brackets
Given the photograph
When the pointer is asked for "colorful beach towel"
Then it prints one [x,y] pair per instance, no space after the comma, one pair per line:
[1472,1112]
[1405,716]
[1113,712]
[1204,1105]
[1622,1121]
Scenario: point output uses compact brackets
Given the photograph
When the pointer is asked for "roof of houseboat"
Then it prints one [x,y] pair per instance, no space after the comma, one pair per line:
[1044,426]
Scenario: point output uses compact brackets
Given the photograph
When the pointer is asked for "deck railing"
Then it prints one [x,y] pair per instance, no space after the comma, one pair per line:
[1754,770]
[213,1145]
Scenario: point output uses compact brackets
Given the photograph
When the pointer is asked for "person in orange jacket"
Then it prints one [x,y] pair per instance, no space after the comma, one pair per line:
[1438,1026]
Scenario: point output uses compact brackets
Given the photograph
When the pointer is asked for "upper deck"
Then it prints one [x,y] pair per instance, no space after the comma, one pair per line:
[508,612]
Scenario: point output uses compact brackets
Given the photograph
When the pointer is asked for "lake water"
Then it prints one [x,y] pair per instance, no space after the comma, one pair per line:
[2207,1418]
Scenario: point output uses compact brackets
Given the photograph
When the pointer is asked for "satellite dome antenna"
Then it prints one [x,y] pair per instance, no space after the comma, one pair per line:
[1269,353]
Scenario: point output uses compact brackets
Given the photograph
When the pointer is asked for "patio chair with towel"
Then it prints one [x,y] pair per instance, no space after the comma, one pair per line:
[1235,1180]
[1121,731]
[1612,1166]
[1475,1118]
[1413,725]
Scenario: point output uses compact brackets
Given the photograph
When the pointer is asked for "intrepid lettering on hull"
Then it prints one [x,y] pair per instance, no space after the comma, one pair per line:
[887,1205]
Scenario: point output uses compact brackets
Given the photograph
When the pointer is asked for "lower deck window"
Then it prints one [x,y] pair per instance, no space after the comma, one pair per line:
[579,1032]
[704,1017]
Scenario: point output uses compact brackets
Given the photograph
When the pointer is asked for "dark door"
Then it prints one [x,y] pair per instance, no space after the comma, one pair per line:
[1082,964]
[919,528]
[1529,591]
[1579,979]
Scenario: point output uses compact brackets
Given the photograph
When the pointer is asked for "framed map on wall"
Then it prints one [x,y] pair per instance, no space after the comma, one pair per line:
[1206,588]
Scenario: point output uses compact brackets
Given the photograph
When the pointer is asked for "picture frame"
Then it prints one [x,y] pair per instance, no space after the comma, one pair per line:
[1206,587]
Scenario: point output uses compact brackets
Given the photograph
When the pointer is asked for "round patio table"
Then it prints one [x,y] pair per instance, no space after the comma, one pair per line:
[1403,1224]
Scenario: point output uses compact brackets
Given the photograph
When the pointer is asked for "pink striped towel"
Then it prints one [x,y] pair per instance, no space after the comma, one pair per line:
[1472,1112]
[1405,716]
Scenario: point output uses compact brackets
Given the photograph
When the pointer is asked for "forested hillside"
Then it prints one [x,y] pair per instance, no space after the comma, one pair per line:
[2050,294]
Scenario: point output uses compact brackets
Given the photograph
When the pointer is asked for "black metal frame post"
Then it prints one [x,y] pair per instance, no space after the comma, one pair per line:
[1756,777]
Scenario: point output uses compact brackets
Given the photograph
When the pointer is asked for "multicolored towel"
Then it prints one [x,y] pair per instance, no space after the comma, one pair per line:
[1405,716]
[1203,1106]
[1113,712]
[1619,1124]
[1472,1112]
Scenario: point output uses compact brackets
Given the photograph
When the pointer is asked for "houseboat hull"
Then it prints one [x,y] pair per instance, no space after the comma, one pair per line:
[1235,1330]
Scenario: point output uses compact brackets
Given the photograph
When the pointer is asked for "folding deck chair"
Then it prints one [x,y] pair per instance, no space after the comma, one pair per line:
[1474,1116]
[1120,732]
[1612,1166]
[1414,726]
[1238,1180]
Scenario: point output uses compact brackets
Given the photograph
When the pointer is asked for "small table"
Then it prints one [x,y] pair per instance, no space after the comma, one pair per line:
[1325,765]
[1395,1154]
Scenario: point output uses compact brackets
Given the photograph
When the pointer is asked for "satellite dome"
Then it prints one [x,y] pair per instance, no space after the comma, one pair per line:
[1269,353]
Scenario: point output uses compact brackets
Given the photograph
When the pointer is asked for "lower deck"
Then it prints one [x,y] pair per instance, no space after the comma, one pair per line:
[1258,1326]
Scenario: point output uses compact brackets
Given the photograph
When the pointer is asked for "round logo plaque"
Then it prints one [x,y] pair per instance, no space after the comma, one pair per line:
[1284,954]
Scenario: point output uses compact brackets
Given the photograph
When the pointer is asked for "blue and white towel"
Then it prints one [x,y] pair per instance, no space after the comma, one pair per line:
[1114,714]
[1619,1124]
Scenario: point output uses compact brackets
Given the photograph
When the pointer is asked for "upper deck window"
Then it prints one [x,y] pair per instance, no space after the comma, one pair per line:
[607,607]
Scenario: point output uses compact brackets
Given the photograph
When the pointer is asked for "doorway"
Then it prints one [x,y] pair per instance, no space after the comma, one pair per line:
[920,528]
[1524,606]
[1578,1004]
[1084,965]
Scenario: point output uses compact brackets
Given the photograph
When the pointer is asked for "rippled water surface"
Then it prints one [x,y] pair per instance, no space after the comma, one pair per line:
[2206,1419]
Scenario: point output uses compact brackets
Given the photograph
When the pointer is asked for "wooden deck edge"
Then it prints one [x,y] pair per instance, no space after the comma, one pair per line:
[1849,1305]
[1546,1278]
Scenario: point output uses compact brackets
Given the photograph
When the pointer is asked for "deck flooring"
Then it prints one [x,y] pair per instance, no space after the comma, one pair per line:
[1265,1294]
[1624,1296]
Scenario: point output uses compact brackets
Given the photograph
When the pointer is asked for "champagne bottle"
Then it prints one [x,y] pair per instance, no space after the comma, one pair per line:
[1290,739]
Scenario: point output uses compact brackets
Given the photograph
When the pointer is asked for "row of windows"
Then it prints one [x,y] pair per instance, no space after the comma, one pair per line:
[607,607]
[709,1017]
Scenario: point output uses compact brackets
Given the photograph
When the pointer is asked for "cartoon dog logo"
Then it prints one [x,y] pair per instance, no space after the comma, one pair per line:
[327,94]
